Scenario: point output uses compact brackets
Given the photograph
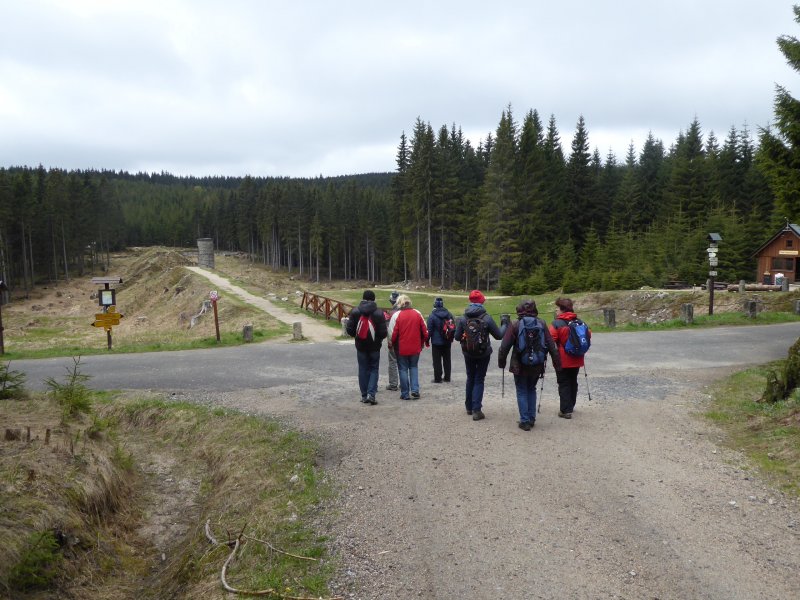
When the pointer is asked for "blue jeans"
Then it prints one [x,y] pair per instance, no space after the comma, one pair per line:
[476,374]
[409,374]
[526,397]
[368,363]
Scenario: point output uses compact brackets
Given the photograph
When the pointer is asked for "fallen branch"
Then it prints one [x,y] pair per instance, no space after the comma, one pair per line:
[235,544]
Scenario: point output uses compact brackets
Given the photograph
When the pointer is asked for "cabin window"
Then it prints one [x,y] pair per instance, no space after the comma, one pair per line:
[789,243]
[783,264]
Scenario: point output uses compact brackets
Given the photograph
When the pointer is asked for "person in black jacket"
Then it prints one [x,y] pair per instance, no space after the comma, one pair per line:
[367,324]
[440,342]
[526,376]
[476,356]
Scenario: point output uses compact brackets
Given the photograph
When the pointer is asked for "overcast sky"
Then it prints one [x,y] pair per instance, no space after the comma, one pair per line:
[310,88]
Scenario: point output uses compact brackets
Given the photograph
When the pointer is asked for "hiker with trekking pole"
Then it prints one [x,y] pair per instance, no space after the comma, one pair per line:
[529,341]
[573,338]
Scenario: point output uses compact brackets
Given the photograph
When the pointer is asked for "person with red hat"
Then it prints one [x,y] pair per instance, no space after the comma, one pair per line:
[473,330]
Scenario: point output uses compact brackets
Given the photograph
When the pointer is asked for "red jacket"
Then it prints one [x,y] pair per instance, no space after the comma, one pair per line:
[560,333]
[409,332]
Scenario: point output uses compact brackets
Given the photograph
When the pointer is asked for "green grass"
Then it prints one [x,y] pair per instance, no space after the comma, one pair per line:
[769,434]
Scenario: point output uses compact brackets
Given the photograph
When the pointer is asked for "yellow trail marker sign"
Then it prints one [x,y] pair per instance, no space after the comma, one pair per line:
[107,319]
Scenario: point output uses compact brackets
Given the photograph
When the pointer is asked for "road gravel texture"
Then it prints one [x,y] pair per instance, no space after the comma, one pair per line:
[632,498]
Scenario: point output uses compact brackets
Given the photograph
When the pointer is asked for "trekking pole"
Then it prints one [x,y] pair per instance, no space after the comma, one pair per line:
[503,387]
[586,377]
[541,391]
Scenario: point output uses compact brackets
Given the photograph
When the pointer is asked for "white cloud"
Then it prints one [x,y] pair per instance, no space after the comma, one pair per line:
[302,89]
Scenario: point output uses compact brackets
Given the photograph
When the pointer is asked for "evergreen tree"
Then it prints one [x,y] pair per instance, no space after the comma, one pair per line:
[779,155]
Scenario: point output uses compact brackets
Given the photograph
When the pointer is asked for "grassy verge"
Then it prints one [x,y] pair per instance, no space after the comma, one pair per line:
[74,508]
[227,338]
[769,434]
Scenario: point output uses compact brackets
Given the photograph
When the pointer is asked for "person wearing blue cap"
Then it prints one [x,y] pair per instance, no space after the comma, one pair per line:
[441,328]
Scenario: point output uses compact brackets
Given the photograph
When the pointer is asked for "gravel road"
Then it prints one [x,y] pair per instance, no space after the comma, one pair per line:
[633,498]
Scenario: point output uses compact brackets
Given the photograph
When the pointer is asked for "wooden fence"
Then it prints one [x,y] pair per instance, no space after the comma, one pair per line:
[320,305]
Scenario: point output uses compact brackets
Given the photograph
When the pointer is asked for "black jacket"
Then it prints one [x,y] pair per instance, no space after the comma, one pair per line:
[478,311]
[435,323]
[367,308]
[510,343]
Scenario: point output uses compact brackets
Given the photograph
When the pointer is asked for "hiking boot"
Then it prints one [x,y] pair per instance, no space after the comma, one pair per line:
[446,380]
[405,398]
[371,400]
[364,399]
[564,415]
[478,415]
[525,426]
[392,388]
[415,395]
[436,381]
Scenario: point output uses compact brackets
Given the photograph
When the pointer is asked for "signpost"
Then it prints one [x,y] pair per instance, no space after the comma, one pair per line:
[713,262]
[107,298]
[214,296]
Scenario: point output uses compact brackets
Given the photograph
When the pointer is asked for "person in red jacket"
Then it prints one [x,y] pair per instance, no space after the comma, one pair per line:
[409,335]
[570,364]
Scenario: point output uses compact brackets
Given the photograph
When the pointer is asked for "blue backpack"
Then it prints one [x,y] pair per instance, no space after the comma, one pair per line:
[531,341]
[579,339]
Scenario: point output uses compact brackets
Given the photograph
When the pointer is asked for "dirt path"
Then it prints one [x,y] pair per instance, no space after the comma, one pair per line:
[312,329]
[630,499]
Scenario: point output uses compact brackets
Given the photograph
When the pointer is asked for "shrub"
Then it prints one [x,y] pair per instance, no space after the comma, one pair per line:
[73,396]
[781,384]
[38,563]
[11,382]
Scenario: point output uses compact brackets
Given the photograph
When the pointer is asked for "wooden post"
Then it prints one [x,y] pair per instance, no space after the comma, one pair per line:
[610,317]
[711,295]
[216,318]
[751,309]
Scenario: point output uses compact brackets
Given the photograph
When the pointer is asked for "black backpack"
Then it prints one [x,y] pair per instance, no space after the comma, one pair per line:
[475,339]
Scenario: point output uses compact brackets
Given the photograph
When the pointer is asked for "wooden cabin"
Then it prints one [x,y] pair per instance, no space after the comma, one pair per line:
[780,254]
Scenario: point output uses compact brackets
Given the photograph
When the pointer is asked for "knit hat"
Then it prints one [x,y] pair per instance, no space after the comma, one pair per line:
[368,295]
[438,303]
[393,298]
[476,297]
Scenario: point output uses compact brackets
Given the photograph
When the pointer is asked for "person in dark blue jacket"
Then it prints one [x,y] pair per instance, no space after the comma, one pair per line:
[441,337]
[369,333]
[473,330]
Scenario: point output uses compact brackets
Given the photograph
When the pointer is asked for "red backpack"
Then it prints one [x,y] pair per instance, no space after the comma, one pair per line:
[365,330]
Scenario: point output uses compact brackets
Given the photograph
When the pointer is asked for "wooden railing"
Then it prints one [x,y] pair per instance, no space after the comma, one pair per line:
[320,305]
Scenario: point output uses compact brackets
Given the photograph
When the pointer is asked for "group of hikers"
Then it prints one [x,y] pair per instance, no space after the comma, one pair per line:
[528,339]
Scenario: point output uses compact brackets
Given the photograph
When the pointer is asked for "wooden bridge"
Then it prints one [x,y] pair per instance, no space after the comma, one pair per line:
[320,305]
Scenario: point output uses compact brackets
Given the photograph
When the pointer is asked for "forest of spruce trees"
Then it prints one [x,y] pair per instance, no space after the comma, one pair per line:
[516,213]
